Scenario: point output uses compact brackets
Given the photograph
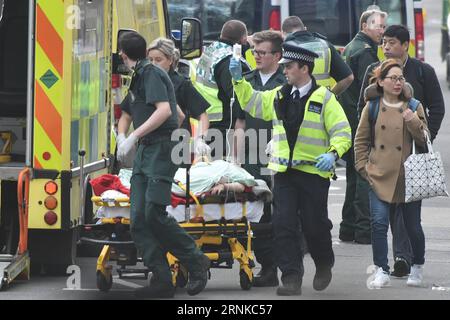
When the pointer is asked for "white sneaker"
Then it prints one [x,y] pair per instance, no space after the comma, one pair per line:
[381,279]
[415,278]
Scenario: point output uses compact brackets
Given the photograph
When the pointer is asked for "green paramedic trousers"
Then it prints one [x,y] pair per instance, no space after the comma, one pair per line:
[155,232]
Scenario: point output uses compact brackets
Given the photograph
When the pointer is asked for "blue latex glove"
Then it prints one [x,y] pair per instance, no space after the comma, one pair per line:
[235,69]
[325,162]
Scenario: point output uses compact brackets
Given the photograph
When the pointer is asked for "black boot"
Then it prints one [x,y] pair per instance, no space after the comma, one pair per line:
[198,278]
[291,286]
[267,277]
[322,278]
[156,290]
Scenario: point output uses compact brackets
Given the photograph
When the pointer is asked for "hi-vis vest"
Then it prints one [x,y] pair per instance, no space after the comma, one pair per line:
[205,82]
[322,64]
[324,128]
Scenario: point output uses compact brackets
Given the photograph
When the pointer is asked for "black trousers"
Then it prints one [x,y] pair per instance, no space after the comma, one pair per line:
[300,206]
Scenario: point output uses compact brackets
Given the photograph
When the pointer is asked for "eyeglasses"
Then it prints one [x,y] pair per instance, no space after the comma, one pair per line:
[262,53]
[394,79]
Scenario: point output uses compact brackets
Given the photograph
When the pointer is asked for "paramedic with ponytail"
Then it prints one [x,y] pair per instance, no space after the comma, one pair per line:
[310,132]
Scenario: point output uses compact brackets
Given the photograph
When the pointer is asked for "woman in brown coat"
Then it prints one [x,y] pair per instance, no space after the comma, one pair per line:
[396,127]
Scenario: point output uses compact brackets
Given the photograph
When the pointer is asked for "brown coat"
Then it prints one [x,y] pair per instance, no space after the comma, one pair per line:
[382,165]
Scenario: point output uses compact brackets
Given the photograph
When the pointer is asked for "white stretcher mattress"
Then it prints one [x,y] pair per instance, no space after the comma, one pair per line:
[233,211]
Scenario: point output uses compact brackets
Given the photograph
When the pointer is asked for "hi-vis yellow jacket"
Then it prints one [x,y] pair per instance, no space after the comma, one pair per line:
[323,129]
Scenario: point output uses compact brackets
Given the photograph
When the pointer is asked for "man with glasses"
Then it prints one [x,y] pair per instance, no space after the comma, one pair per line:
[427,90]
[330,70]
[358,54]
[267,76]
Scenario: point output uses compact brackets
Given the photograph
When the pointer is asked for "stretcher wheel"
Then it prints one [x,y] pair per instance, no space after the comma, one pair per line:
[3,285]
[104,284]
[246,283]
[182,278]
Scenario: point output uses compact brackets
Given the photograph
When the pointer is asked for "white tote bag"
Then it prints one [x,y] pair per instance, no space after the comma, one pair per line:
[424,175]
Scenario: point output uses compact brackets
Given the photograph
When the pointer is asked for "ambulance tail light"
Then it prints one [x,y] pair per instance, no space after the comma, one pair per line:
[275,19]
[116,81]
[51,203]
[50,218]
[420,35]
[51,188]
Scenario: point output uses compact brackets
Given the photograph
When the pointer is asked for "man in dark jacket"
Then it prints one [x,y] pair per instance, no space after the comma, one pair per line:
[268,75]
[426,87]
[358,54]
[213,81]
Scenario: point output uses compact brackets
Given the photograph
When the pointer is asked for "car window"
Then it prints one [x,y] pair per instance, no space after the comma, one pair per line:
[338,20]
[213,14]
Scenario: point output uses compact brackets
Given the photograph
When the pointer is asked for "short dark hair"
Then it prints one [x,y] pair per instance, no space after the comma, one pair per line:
[274,37]
[292,24]
[399,32]
[233,30]
[133,45]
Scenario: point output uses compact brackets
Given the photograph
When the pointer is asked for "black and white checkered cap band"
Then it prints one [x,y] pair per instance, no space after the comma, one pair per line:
[291,55]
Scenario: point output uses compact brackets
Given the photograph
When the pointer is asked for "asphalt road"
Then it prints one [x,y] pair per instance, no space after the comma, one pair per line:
[352,260]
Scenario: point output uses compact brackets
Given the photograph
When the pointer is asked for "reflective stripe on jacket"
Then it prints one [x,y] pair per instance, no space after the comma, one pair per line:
[324,127]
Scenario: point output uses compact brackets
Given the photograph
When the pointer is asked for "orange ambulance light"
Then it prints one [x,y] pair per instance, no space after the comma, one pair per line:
[51,203]
[50,218]
[51,187]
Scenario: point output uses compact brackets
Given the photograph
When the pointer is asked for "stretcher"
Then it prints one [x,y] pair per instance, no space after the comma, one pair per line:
[222,230]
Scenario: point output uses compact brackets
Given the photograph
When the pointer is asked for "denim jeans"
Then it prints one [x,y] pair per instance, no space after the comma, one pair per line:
[379,213]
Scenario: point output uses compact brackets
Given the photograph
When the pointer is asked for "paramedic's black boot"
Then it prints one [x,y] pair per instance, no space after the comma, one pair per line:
[322,278]
[156,290]
[291,285]
[199,277]
[267,277]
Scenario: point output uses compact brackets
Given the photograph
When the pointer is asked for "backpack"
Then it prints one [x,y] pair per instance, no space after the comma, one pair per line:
[374,107]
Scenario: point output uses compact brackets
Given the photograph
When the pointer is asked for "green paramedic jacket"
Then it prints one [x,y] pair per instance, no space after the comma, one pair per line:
[324,128]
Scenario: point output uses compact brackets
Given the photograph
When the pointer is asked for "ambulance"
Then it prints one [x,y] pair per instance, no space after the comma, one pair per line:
[58,87]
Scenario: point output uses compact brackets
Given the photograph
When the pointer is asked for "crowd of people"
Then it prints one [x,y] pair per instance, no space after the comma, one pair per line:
[315,107]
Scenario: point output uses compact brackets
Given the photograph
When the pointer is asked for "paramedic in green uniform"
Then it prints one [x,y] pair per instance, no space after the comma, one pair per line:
[151,106]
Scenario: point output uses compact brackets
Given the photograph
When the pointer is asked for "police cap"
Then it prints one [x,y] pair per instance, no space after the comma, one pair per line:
[293,51]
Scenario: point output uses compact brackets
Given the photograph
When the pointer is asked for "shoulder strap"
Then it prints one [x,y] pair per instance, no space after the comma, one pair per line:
[374,106]
[413,104]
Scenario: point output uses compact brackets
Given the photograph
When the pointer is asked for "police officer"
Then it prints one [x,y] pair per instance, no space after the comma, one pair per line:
[329,66]
[213,80]
[163,53]
[268,75]
[310,132]
[151,106]
[359,54]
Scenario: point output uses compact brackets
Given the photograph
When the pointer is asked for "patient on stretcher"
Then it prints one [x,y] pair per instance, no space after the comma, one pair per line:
[222,190]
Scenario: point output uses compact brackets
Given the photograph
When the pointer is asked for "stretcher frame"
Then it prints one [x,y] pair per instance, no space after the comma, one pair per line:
[221,234]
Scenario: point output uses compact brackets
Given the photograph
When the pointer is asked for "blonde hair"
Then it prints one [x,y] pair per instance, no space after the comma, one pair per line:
[167,48]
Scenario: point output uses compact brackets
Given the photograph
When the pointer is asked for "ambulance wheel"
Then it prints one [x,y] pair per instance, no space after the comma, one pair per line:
[104,284]
[246,283]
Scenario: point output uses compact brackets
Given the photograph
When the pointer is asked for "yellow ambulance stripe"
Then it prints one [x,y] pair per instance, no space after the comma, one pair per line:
[55,93]
[45,146]
[54,10]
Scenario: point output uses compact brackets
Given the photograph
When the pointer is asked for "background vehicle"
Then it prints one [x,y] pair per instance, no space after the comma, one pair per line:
[336,19]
